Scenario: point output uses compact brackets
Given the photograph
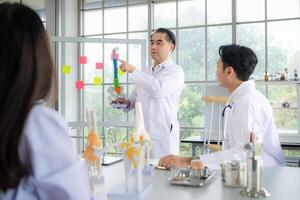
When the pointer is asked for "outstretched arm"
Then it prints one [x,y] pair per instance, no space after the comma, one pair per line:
[171,81]
[174,161]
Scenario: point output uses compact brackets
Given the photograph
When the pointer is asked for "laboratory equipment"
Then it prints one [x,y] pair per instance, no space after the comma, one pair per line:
[254,187]
[234,173]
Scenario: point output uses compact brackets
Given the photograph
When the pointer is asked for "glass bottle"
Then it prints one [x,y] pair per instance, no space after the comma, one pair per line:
[266,77]
[295,75]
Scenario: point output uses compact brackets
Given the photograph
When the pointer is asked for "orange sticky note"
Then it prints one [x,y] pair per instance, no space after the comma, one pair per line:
[66,69]
[82,60]
[99,66]
[97,80]
[79,85]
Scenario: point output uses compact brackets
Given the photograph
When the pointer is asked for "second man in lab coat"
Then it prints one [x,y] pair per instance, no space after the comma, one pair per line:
[246,106]
[158,88]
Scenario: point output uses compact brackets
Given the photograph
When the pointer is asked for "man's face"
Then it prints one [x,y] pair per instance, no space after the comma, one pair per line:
[220,73]
[160,48]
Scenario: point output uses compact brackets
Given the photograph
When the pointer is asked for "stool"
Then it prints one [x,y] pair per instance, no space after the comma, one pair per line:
[212,103]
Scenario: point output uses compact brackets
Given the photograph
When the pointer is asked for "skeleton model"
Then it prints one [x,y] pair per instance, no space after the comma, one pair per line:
[94,143]
[137,150]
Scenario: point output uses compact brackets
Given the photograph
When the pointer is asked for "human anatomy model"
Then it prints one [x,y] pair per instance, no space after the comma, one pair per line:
[137,150]
[93,143]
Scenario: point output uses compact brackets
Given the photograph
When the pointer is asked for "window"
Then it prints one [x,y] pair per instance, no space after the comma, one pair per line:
[219,11]
[252,35]
[191,53]
[163,18]
[278,9]
[216,36]
[92,22]
[191,13]
[115,20]
[283,46]
[91,4]
[244,10]
[273,34]
[201,27]
[138,18]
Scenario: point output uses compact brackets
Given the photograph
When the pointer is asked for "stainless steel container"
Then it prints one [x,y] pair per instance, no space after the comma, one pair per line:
[254,172]
[234,173]
[199,173]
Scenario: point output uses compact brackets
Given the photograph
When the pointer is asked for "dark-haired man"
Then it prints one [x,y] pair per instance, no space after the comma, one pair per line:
[248,108]
[158,88]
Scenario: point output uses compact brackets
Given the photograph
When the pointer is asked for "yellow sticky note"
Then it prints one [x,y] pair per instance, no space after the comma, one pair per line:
[97,80]
[66,69]
[120,72]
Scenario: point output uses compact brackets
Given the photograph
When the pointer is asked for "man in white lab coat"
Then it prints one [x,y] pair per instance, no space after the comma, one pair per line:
[245,106]
[158,88]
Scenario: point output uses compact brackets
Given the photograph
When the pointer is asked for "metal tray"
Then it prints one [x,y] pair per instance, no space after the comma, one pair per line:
[184,177]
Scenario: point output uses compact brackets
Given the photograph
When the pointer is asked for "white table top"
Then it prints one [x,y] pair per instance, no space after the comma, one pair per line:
[281,182]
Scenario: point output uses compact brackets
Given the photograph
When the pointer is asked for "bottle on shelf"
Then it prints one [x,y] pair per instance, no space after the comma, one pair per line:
[286,71]
[295,75]
[282,77]
[266,77]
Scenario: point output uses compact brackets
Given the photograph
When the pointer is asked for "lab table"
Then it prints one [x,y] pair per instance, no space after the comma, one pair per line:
[287,142]
[281,182]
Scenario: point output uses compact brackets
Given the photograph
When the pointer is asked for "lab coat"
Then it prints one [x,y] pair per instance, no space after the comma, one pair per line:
[247,105]
[47,151]
[158,90]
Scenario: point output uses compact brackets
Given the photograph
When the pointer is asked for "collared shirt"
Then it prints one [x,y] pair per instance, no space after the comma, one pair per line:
[157,67]
[248,106]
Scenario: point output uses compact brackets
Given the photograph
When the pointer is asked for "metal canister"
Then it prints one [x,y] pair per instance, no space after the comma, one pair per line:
[234,173]
[199,173]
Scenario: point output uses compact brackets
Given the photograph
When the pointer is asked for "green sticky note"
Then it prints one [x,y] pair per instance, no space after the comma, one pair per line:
[66,69]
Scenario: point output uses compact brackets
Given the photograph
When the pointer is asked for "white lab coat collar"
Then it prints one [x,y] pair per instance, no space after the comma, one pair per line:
[242,88]
[39,102]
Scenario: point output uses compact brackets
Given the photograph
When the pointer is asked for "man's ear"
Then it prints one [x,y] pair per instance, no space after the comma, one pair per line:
[172,48]
[230,71]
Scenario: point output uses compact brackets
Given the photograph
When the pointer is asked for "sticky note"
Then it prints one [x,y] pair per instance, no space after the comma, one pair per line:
[120,72]
[82,60]
[79,85]
[97,80]
[99,66]
[66,69]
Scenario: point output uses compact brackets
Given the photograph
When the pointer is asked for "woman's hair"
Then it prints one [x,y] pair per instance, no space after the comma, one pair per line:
[26,76]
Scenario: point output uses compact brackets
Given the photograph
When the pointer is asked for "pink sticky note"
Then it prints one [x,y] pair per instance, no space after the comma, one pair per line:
[82,59]
[79,85]
[99,66]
